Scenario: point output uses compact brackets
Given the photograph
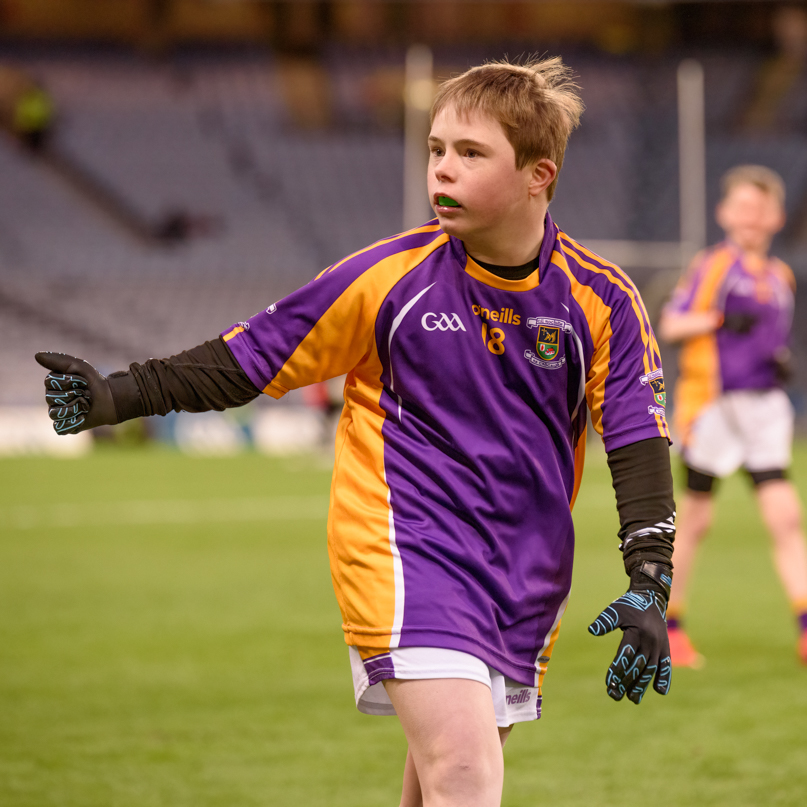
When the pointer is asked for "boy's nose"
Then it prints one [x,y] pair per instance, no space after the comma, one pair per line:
[445,169]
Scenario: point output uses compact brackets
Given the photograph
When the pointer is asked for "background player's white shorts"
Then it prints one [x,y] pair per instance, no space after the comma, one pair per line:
[751,429]
[512,702]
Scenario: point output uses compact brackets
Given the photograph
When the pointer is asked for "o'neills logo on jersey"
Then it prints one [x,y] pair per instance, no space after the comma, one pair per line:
[547,347]
[503,315]
[656,382]
[442,322]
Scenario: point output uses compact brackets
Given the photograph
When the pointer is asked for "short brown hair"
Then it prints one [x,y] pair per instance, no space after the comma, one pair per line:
[766,179]
[537,104]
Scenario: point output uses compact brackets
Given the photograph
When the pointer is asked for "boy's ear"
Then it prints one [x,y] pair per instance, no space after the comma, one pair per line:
[543,175]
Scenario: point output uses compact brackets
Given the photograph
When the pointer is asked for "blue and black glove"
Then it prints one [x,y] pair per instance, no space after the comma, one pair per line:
[644,653]
[78,396]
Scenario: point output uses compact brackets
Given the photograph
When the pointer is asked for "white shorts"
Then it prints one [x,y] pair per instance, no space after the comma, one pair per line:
[751,429]
[512,702]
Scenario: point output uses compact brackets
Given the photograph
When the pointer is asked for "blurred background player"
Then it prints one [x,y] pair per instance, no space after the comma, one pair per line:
[733,313]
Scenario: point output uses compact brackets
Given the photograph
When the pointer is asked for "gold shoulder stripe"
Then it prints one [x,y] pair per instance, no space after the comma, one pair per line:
[712,279]
[596,313]
[636,301]
[620,273]
[426,228]
[594,305]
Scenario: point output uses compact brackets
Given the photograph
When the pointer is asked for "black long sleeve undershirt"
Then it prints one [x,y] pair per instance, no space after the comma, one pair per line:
[643,485]
[204,378]
[209,377]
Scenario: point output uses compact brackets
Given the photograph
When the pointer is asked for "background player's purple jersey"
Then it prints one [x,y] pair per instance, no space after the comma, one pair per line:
[460,447]
[723,279]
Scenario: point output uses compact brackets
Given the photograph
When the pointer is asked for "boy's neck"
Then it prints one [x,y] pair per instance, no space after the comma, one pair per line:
[515,247]
[760,254]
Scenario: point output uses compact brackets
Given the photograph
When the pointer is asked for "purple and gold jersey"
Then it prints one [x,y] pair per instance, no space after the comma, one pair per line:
[460,447]
[724,279]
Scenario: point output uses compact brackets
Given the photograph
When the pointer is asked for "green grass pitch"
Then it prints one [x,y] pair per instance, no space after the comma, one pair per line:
[169,637]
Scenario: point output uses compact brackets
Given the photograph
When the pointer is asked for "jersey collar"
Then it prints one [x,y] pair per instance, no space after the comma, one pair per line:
[530,282]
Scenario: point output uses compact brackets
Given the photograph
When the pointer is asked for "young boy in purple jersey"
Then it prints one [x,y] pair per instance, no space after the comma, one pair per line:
[733,312]
[472,346]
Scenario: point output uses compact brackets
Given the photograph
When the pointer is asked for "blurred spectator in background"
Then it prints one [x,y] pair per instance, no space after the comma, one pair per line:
[26,108]
[733,313]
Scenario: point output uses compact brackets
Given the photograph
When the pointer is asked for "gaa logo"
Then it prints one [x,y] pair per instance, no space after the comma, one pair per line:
[443,322]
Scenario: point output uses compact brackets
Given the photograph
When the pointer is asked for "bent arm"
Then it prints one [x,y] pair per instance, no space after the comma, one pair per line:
[677,326]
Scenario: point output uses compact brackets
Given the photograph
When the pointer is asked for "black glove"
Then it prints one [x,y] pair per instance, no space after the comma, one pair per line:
[78,396]
[783,365]
[739,322]
[644,653]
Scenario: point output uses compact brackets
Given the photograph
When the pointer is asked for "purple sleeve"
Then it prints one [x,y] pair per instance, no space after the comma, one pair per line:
[319,331]
[632,393]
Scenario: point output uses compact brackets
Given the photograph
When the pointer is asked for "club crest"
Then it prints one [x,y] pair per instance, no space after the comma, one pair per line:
[548,342]
[547,348]
[656,382]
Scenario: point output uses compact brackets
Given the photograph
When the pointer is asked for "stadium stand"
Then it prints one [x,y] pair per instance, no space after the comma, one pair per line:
[262,205]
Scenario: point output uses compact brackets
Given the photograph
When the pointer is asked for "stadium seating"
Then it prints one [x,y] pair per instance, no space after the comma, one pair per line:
[208,137]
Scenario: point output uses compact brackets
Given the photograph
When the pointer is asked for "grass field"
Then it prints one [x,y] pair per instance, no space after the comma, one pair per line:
[169,636]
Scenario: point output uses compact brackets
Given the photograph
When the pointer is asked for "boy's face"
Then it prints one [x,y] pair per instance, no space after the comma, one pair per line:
[750,217]
[472,163]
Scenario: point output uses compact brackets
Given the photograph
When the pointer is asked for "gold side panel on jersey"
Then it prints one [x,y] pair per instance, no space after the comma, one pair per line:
[359,523]
[579,463]
[698,382]
[699,378]
[362,567]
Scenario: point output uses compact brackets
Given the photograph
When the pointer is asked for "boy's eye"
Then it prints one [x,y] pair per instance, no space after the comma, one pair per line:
[437,151]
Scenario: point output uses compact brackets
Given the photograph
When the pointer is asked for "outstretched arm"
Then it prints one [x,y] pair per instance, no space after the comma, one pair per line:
[197,380]
[643,485]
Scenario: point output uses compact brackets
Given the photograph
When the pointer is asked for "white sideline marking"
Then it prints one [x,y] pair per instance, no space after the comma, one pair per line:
[195,511]
[167,511]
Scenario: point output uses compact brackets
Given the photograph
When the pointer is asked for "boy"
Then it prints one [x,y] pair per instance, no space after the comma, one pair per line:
[733,312]
[471,345]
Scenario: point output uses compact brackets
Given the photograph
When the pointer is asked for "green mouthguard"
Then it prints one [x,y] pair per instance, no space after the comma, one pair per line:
[447,201]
